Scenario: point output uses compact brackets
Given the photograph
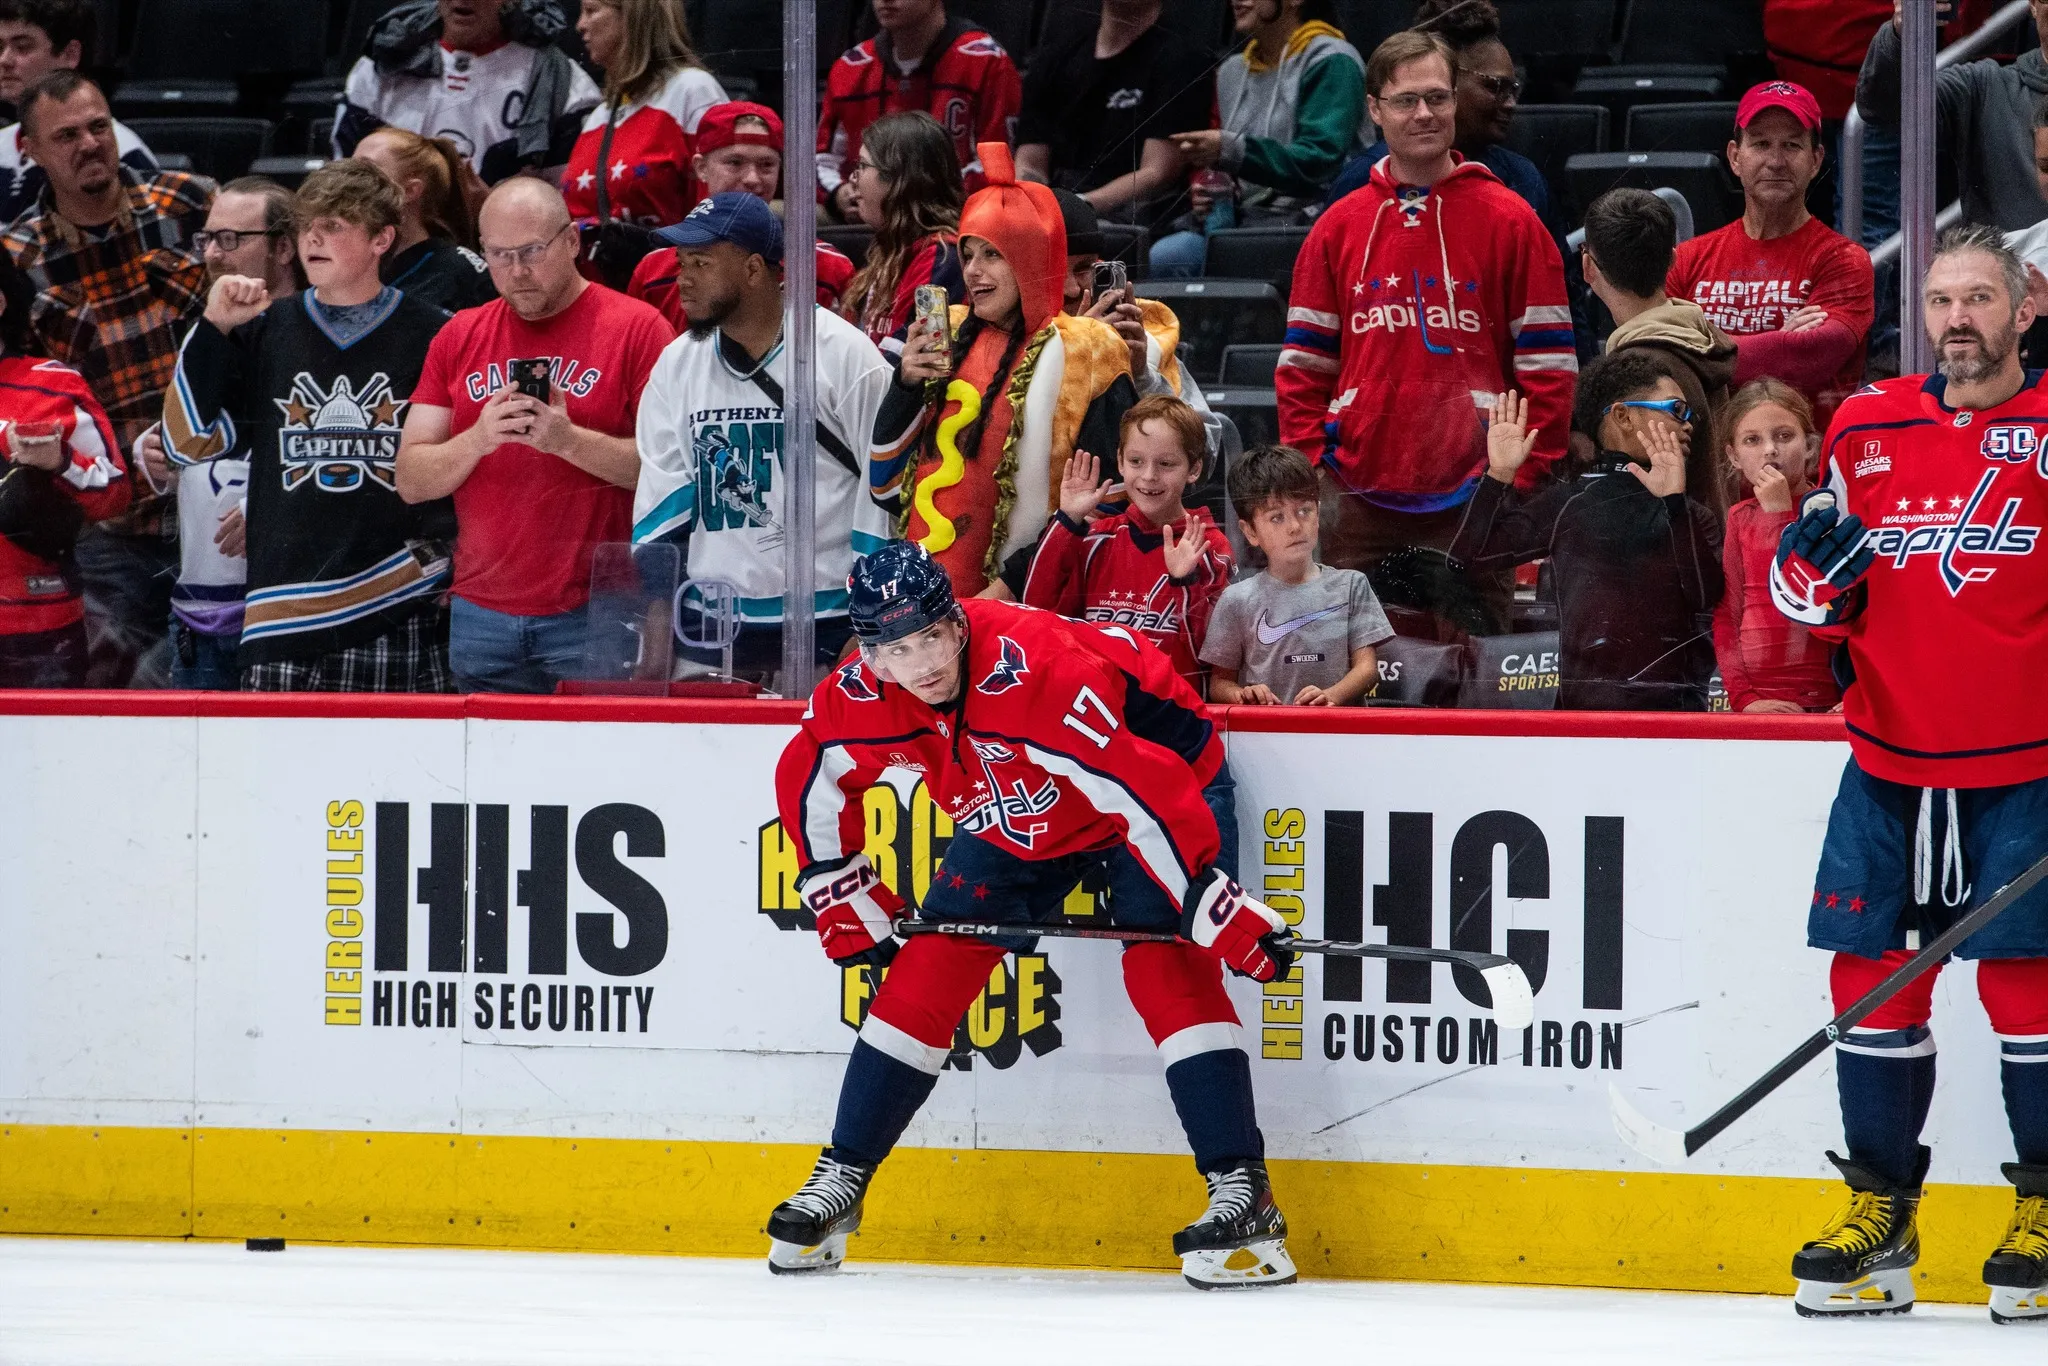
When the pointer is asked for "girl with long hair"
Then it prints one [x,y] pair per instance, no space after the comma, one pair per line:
[434,257]
[1769,662]
[906,187]
[985,413]
[629,172]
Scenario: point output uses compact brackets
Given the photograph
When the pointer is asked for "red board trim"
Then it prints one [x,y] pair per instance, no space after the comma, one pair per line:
[1588,725]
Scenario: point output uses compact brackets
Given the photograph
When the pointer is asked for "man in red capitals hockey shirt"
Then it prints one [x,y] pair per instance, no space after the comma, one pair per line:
[1940,605]
[1155,567]
[1059,748]
[1416,300]
[1794,294]
[921,59]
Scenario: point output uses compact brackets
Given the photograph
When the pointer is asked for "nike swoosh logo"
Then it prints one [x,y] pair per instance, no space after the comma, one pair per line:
[1273,635]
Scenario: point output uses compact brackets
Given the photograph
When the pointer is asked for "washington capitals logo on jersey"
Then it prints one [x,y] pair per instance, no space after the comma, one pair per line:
[337,437]
[1962,536]
[854,683]
[1009,670]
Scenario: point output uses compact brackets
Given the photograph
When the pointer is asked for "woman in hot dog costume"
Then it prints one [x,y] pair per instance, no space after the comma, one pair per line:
[971,439]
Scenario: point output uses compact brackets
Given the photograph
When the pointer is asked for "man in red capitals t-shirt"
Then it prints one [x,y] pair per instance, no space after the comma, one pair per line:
[536,485]
[1795,295]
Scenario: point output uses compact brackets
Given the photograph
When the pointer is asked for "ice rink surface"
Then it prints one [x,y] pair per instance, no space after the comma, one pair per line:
[122,1303]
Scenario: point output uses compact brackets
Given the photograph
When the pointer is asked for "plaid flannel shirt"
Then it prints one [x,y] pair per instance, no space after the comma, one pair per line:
[115,306]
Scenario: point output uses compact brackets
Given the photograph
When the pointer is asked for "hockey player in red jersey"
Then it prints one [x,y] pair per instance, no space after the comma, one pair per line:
[1058,748]
[1922,556]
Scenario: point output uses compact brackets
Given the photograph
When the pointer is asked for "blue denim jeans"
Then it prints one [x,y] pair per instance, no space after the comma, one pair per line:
[203,663]
[1179,256]
[498,652]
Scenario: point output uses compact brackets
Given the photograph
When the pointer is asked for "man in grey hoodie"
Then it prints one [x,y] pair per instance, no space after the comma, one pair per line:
[1984,109]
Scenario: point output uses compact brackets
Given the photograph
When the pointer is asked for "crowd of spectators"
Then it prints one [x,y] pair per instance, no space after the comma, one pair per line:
[376,430]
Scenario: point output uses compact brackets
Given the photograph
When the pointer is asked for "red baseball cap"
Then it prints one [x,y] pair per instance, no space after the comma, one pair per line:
[719,127]
[1795,100]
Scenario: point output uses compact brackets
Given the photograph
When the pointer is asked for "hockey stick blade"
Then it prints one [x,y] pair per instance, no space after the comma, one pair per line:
[1514,1004]
[1669,1145]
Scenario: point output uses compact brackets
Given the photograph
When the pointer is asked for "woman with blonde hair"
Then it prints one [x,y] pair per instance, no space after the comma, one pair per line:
[906,187]
[629,172]
[434,257]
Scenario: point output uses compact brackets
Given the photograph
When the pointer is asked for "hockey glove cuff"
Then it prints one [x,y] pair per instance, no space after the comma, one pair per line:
[855,910]
[1821,557]
[1229,922]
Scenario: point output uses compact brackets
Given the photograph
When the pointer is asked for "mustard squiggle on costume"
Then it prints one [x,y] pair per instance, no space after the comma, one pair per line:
[940,535]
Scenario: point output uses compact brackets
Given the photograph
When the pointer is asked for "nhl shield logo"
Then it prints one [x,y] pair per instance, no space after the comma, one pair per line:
[339,438]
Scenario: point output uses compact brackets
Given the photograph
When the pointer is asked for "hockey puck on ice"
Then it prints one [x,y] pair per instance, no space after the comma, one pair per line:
[263,1244]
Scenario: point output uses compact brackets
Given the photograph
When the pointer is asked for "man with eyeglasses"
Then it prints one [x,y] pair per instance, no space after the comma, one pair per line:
[1797,296]
[111,255]
[1415,301]
[248,233]
[542,468]
[1488,92]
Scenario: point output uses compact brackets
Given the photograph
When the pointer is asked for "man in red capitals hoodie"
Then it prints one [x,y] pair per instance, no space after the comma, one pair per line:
[1416,300]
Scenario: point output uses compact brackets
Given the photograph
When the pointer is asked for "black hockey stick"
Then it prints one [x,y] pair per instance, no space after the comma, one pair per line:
[1514,1005]
[1666,1144]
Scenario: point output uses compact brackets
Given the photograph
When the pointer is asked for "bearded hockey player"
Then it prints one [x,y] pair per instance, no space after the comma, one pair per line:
[1059,748]
[1921,555]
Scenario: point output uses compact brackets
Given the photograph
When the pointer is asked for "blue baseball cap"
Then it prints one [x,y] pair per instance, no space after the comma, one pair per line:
[734,216]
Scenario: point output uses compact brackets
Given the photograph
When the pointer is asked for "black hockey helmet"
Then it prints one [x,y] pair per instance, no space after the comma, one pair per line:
[896,591]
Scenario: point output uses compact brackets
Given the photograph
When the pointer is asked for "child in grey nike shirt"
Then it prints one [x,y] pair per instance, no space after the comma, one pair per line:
[1297,632]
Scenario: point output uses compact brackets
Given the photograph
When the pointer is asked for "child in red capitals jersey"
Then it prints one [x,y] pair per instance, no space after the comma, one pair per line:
[1922,555]
[1155,567]
[1769,663]
[1060,749]
[60,468]
[961,77]
[1794,294]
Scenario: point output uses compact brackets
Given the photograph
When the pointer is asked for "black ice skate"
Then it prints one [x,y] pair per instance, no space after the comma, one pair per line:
[2018,1272]
[808,1231]
[1863,1262]
[1239,1240]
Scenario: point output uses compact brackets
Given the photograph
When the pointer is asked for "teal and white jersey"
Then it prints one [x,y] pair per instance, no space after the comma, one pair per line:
[711,463]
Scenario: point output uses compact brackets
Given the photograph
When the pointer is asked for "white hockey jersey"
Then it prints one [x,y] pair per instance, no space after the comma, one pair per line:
[711,463]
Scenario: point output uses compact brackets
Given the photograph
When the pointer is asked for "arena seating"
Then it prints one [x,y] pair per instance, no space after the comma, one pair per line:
[219,147]
[1702,177]
[1552,134]
[1215,313]
[1252,364]
[1622,89]
[1680,127]
[1255,254]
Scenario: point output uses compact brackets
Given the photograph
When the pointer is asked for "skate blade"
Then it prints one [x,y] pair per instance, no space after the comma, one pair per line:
[2010,1304]
[1236,1268]
[794,1259]
[1881,1292]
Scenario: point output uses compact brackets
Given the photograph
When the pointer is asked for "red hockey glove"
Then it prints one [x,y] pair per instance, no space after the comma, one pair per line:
[1247,934]
[856,912]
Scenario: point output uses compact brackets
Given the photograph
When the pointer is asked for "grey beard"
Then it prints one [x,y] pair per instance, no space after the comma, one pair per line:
[1989,358]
